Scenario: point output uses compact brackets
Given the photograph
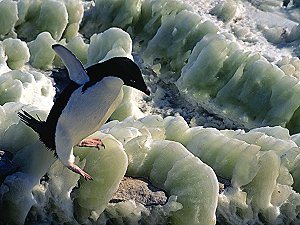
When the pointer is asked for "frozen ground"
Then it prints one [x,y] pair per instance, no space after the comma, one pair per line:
[253,16]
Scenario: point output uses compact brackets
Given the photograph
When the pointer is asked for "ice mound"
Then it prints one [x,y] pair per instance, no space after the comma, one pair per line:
[261,164]
[225,10]
[8,18]
[103,15]
[177,35]
[111,43]
[263,94]
[17,53]
[20,83]
[107,166]
[59,18]
[164,162]
[41,53]
[27,88]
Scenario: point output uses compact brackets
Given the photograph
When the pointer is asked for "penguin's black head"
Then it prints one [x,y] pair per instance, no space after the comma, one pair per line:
[134,77]
[121,67]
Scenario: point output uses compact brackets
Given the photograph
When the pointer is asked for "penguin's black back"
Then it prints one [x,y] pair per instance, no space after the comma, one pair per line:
[56,111]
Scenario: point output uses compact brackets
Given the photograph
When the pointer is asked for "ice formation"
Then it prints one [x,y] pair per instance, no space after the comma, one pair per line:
[225,10]
[8,18]
[204,64]
[17,53]
[164,161]
[41,54]
[262,165]
[59,18]
[93,197]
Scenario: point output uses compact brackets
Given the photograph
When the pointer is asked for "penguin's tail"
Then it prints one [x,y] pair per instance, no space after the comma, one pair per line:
[36,125]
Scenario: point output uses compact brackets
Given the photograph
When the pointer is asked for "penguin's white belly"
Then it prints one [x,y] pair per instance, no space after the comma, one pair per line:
[86,111]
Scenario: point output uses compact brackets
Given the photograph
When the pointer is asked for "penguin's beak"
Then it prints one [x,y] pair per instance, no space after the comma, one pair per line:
[147,91]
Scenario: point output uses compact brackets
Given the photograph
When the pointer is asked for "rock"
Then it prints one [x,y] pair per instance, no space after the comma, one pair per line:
[140,190]
[6,165]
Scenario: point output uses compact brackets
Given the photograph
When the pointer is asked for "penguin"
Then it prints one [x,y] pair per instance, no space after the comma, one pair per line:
[85,104]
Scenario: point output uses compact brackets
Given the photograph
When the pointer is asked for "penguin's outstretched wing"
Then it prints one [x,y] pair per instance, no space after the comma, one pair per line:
[76,70]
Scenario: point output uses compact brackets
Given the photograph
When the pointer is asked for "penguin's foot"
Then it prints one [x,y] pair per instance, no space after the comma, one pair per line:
[76,169]
[91,142]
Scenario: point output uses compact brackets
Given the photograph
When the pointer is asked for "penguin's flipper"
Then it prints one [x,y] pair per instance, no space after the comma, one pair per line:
[76,70]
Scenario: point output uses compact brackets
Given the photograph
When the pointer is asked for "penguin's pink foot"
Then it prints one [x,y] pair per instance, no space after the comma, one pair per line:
[91,142]
[76,169]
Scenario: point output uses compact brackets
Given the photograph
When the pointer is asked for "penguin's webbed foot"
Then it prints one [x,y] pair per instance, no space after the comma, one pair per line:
[76,169]
[91,142]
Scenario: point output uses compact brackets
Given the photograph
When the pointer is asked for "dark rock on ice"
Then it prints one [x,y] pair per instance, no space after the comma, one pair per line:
[6,165]
[140,190]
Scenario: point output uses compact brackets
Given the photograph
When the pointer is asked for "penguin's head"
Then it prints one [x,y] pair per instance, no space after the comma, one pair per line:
[121,67]
[134,78]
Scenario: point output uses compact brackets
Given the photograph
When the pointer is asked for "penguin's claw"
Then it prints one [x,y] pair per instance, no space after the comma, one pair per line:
[76,169]
[91,142]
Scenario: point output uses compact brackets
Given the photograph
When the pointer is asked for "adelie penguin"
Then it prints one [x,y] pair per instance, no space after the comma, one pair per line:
[85,104]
